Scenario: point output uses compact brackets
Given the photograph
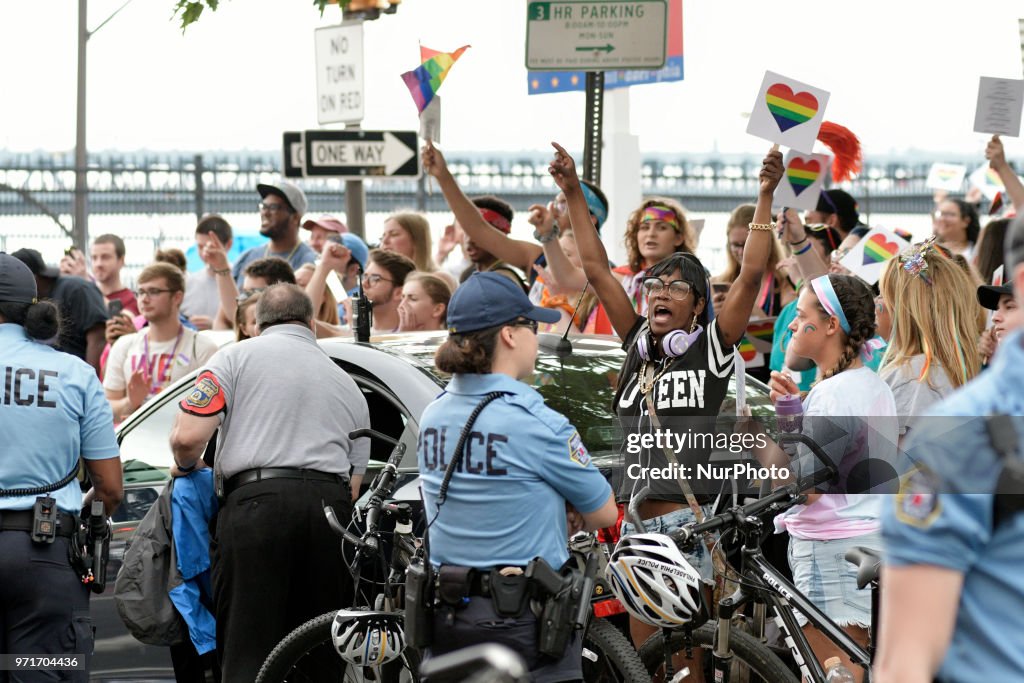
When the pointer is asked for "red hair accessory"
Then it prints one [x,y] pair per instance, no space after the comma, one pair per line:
[845,149]
[497,220]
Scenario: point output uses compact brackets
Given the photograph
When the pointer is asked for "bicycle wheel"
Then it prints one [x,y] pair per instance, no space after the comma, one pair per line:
[752,653]
[307,655]
[609,657]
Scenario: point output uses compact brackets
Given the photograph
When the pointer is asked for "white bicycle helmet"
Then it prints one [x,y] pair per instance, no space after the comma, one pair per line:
[367,638]
[654,582]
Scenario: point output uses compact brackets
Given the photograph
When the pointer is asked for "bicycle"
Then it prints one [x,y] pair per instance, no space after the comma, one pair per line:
[609,657]
[310,647]
[761,585]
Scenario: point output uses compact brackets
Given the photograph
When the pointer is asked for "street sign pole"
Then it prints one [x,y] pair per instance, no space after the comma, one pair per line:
[355,202]
[593,126]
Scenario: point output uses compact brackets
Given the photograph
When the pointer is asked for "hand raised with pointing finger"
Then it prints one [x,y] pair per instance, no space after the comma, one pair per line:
[215,254]
[563,170]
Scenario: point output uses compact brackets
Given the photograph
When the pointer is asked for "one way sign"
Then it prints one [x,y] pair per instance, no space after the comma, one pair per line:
[361,153]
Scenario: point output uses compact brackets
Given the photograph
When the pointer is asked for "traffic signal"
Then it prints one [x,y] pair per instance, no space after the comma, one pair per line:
[369,9]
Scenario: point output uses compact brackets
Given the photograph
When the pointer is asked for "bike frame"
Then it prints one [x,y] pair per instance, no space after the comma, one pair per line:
[763,584]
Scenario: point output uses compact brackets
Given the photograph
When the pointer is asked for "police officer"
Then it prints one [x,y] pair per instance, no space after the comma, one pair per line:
[953,596]
[52,412]
[506,501]
[281,456]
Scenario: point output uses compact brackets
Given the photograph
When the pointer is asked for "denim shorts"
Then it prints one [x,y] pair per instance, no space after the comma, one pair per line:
[821,572]
[699,557]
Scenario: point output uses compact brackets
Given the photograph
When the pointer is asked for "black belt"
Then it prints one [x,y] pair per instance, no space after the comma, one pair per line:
[265,473]
[21,520]
[480,582]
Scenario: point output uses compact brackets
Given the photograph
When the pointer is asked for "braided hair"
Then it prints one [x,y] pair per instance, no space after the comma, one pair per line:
[859,306]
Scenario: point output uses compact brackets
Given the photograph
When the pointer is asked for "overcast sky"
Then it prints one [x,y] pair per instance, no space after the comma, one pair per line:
[902,74]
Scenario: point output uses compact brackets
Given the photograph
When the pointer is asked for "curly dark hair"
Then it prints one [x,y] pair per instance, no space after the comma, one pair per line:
[858,304]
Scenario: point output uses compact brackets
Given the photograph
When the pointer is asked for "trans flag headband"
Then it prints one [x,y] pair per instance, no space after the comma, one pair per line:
[597,209]
[826,294]
[822,287]
[660,213]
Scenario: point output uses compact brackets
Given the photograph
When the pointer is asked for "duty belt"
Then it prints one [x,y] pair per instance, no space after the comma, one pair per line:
[21,520]
[266,473]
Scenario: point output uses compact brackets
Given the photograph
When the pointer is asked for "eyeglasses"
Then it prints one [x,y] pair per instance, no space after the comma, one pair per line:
[247,294]
[372,279]
[838,255]
[532,324]
[946,214]
[150,293]
[272,208]
[677,289]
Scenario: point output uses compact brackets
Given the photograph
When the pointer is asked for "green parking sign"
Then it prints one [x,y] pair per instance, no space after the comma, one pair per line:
[540,11]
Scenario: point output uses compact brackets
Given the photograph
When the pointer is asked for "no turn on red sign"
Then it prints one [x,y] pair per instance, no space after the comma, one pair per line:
[339,73]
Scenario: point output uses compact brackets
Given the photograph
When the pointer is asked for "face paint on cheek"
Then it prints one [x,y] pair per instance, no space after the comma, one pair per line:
[810,328]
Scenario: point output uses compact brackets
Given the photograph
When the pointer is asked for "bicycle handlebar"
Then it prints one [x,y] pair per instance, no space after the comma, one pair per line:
[791,494]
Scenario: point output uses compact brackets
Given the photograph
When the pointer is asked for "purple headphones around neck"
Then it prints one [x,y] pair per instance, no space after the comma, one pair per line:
[673,344]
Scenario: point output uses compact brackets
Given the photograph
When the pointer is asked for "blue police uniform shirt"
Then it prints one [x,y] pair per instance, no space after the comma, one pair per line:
[52,410]
[940,518]
[522,462]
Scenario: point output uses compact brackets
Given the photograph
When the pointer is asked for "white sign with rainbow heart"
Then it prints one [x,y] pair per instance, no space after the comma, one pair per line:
[869,256]
[803,180]
[949,177]
[788,112]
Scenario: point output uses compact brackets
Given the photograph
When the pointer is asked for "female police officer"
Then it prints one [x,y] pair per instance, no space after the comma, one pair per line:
[52,411]
[506,500]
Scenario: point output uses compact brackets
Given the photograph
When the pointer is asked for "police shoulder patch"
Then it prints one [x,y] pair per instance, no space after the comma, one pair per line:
[917,502]
[577,451]
[206,397]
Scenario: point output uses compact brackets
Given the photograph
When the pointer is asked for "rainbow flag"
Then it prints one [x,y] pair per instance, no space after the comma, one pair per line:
[760,335]
[425,80]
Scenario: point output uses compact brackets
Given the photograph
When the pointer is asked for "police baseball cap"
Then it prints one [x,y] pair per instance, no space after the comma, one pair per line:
[17,285]
[34,260]
[290,192]
[988,295]
[488,300]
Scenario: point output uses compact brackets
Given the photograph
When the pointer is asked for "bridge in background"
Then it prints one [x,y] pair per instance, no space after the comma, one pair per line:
[124,183]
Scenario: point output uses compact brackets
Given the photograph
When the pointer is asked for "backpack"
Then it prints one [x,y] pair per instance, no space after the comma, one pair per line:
[148,572]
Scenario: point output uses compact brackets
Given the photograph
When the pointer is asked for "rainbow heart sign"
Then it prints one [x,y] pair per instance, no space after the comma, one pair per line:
[789,108]
[949,177]
[877,249]
[868,257]
[788,112]
[804,178]
[802,173]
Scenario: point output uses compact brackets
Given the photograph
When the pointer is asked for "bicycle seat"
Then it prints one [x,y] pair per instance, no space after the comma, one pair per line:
[868,563]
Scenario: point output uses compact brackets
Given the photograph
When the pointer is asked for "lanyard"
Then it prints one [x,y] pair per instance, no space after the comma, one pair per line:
[162,378]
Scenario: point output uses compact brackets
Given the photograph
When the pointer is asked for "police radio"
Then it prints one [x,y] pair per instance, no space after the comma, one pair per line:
[362,313]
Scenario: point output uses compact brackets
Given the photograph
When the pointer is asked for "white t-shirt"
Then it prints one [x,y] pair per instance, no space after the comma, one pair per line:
[166,361]
[914,397]
[852,416]
[202,297]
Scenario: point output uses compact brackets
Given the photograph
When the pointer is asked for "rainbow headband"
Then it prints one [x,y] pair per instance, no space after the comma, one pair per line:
[496,219]
[660,213]
[822,287]
[597,209]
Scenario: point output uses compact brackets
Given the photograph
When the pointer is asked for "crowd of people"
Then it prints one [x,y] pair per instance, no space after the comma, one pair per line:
[930,334]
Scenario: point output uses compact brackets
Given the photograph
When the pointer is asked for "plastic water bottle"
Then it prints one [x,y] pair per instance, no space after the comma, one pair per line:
[835,672]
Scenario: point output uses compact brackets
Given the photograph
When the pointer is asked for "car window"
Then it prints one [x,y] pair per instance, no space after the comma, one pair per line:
[387,416]
[145,448]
